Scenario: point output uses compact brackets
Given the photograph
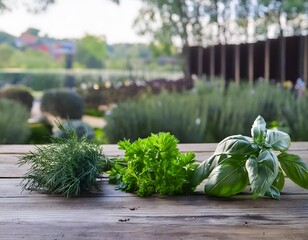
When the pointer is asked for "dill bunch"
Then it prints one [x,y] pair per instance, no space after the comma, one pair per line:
[67,166]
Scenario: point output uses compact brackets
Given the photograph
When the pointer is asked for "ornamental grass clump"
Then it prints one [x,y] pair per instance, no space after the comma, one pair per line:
[239,161]
[66,167]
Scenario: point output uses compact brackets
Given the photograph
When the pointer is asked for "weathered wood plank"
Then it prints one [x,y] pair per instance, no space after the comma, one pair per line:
[113,148]
[9,167]
[9,157]
[113,214]
[200,156]
[9,163]
[110,149]
[148,230]
[130,217]
[11,188]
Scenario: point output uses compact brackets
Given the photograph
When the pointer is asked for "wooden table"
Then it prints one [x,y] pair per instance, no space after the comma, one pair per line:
[113,214]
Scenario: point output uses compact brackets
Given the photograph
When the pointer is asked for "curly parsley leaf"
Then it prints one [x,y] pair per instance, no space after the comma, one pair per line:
[154,165]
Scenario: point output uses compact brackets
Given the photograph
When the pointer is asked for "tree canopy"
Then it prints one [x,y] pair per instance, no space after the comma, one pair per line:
[33,5]
[91,51]
[205,22]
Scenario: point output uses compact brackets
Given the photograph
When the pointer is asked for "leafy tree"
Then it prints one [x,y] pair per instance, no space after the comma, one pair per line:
[124,55]
[34,6]
[30,58]
[159,49]
[33,31]
[3,5]
[6,53]
[7,38]
[277,11]
[91,51]
[246,16]
[281,13]
[172,23]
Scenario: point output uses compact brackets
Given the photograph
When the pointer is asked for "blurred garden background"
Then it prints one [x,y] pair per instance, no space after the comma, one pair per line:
[201,70]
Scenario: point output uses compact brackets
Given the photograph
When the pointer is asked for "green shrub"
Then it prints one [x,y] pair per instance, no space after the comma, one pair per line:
[81,129]
[63,103]
[40,133]
[43,81]
[208,115]
[100,136]
[13,122]
[94,112]
[20,93]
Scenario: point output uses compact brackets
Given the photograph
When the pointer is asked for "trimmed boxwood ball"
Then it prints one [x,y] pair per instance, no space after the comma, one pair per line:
[63,103]
[21,94]
[14,128]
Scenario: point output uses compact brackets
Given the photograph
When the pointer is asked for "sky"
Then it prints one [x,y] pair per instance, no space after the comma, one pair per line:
[75,18]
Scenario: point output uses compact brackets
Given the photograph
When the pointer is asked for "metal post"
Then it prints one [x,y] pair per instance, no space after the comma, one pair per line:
[267,60]
[237,64]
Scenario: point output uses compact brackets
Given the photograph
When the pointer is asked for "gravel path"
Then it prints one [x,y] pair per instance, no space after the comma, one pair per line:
[96,122]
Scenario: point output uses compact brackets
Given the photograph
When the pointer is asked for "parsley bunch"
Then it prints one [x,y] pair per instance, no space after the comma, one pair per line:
[67,166]
[154,165]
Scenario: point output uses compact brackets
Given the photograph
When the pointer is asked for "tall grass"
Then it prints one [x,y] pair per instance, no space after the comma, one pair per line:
[209,113]
[296,118]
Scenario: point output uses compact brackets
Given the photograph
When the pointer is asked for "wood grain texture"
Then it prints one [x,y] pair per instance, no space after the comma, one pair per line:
[113,214]
[112,148]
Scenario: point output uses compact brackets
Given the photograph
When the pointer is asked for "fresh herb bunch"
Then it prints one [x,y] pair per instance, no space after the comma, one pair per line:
[67,166]
[239,161]
[153,165]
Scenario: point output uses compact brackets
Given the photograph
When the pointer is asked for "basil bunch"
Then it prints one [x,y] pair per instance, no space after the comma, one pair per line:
[239,161]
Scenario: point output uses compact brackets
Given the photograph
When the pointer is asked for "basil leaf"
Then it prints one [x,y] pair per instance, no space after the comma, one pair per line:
[202,171]
[273,192]
[279,180]
[258,130]
[236,144]
[295,168]
[279,141]
[227,179]
[205,168]
[269,159]
[252,168]
[262,172]
[225,158]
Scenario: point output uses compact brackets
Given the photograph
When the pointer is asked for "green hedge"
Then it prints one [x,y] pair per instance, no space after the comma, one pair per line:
[14,128]
[44,80]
